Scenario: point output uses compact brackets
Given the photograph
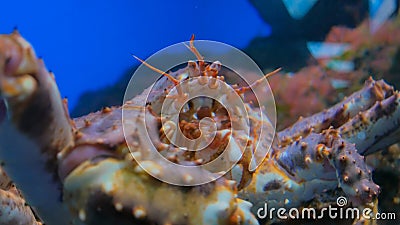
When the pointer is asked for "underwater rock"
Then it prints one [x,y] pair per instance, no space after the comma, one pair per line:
[289,35]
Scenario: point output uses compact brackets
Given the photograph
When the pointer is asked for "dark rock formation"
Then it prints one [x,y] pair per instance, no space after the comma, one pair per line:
[286,46]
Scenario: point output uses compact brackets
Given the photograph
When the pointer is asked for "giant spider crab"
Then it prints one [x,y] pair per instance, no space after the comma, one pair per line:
[81,171]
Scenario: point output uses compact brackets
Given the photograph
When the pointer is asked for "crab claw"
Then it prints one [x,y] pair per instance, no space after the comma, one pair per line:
[17,61]
[32,97]
[39,125]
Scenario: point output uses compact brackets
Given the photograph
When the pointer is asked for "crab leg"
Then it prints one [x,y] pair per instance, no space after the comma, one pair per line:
[339,114]
[14,207]
[293,176]
[12,204]
[368,126]
[308,166]
[311,163]
[32,97]
[369,118]
[38,128]
[376,128]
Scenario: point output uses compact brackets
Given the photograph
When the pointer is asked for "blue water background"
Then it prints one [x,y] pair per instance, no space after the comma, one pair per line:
[88,44]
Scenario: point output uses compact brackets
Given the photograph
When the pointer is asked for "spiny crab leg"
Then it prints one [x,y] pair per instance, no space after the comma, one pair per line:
[318,157]
[39,118]
[309,166]
[376,128]
[339,114]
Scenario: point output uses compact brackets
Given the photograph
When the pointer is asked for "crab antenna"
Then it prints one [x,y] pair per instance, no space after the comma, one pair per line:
[242,90]
[194,49]
[175,81]
[196,53]
[273,72]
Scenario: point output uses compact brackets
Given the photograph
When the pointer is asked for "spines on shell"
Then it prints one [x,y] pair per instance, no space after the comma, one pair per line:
[354,176]
[375,128]
[117,189]
[340,113]
[309,166]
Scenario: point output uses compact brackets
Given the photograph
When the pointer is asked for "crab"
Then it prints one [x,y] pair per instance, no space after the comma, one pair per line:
[98,169]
